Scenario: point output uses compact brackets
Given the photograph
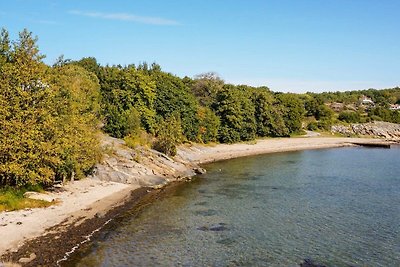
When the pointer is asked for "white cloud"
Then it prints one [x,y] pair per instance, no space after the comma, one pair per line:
[126,17]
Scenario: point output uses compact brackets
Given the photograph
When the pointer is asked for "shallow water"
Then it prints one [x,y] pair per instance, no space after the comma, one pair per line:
[340,207]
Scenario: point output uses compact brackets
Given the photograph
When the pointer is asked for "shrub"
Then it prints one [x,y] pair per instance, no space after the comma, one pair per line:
[349,116]
[208,125]
[325,124]
[141,138]
[168,135]
[312,126]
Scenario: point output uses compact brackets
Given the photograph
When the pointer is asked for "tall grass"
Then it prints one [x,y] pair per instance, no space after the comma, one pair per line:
[13,199]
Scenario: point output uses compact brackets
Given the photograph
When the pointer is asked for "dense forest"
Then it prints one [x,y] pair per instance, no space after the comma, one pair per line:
[51,116]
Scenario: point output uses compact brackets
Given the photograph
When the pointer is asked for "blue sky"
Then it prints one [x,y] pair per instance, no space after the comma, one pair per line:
[287,45]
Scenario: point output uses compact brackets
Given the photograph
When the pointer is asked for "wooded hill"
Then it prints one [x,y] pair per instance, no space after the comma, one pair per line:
[50,115]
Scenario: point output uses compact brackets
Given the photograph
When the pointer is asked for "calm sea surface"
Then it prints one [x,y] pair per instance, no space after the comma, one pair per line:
[339,207]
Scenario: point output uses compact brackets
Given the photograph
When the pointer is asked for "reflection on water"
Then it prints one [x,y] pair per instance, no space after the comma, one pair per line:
[340,207]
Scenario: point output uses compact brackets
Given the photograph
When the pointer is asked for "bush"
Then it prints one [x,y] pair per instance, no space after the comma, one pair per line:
[312,126]
[141,138]
[349,117]
[325,124]
[168,135]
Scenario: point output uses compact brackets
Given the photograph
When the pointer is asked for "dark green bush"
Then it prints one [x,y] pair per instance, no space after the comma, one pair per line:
[312,126]
[349,116]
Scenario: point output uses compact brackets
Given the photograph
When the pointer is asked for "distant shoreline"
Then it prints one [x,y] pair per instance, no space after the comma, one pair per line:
[50,233]
[201,154]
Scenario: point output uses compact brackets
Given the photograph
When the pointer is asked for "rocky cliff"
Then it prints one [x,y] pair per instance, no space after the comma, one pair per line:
[141,166]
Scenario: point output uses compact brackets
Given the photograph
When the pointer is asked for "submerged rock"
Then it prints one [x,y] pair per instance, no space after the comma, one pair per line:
[310,263]
[214,228]
[199,170]
[206,213]
[202,228]
[218,228]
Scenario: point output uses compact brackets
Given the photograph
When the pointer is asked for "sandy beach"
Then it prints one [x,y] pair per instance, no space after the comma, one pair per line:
[91,198]
[204,154]
[78,200]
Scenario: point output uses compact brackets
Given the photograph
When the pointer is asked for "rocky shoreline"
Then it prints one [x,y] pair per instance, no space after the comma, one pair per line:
[378,129]
[138,178]
[60,242]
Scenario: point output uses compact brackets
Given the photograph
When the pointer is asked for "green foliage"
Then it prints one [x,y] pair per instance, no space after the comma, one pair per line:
[325,124]
[323,113]
[5,47]
[47,120]
[122,122]
[123,89]
[293,111]
[312,106]
[88,63]
[227,106]
[385,114]
[168,135]
[349,117]
[248,127]
[13,199]
[268,115]
[27,153]
[312,126]
[136,139]
[132,121]
[77,120]
[208,125]
[173,97]
[380,97]
[206,86]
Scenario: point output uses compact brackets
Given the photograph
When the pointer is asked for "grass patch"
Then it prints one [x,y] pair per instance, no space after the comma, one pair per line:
[13,199]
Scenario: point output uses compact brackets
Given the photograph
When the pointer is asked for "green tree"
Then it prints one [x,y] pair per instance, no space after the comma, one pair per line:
[5,47]
[349,116]
[123,89]
[208,125]
[27,150]
[268,115]
[174,97]
[323,113]
[168,135]
[48,117]
[293,111]
[77,95]
[235,109]
[205,87]
[88,63]
[227,107]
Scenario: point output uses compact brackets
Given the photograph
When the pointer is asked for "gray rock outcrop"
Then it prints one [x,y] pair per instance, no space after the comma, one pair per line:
[377,129]
[141,166]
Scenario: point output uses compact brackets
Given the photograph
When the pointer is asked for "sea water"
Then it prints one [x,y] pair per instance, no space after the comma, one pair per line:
[338,207]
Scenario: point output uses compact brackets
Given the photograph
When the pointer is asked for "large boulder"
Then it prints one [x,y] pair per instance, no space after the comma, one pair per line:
[40,196]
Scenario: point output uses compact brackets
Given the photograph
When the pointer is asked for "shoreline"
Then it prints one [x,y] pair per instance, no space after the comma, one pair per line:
[201,154]
[44,243]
